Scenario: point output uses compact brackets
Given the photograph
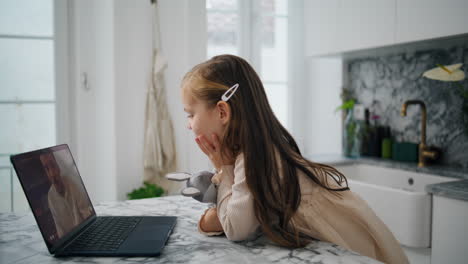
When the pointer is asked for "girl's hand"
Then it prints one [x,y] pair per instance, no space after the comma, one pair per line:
[209,222]
[212,148]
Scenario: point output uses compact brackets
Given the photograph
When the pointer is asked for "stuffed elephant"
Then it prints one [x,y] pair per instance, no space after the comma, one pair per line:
[199,185]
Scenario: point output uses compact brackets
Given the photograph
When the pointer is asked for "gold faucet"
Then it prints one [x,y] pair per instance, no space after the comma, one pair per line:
[424,151]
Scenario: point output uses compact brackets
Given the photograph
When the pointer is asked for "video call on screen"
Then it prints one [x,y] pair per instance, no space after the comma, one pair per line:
[55,192]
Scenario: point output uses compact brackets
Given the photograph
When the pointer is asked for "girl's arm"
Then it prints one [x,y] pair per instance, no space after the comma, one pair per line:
[209,222]
[235,203]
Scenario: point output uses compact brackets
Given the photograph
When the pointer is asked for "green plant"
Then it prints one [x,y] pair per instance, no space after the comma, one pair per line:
[349,104]
[349,124]
[348,100]
[149,190]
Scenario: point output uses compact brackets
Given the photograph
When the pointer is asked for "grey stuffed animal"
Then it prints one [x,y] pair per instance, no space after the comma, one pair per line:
[199,185]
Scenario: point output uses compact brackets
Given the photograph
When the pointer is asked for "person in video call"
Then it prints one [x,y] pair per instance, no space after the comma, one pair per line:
[65,200]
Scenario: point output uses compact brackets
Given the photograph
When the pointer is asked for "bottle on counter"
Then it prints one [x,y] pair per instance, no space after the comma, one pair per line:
[387,143]
[359,116]
[375,138]
[376,135]
[348,133]
[367,131]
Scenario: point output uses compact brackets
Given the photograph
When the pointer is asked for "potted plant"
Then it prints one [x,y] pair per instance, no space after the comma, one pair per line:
[149,190]
[349,124]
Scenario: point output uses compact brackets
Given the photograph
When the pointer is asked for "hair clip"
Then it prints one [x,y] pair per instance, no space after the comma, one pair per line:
[230,92]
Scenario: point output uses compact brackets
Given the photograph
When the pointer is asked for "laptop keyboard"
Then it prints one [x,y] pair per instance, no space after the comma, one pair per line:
[105,234]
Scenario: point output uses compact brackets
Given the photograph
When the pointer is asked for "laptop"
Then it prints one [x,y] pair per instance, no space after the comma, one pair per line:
[66,216]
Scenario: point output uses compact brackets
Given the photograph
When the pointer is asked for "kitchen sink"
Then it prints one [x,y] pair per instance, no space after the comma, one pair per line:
[398,197]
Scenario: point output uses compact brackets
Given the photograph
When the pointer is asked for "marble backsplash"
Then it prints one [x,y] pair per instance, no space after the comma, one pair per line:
[384,83]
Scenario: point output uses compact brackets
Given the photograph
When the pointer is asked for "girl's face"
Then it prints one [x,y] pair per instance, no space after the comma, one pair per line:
[203,120]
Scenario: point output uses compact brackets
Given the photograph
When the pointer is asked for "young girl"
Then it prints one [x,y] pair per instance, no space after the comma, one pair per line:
[262,179]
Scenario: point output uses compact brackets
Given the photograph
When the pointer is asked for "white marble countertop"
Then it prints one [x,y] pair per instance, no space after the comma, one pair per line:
[21,241]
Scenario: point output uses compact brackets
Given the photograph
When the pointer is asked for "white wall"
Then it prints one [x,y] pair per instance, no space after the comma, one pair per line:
[296,75]
[323,125]
[94,135]
[184,44]
[133,57]
[111,41]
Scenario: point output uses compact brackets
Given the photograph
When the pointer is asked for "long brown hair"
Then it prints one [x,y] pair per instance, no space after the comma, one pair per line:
[266,145]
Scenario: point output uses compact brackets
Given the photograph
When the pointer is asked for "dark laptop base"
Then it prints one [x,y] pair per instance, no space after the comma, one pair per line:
[148,238]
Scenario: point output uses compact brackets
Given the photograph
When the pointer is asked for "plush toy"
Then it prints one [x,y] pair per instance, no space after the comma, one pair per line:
[199,185]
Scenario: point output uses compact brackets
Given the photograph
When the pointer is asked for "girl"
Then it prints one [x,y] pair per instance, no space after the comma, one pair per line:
[263,181]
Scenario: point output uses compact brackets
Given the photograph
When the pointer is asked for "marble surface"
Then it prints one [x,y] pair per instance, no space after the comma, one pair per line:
[21,241]
[384,83]
[454,190]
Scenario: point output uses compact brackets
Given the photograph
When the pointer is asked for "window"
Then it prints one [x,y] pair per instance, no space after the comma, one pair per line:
[274,54]
[257,31]
[223,27]
[28,96]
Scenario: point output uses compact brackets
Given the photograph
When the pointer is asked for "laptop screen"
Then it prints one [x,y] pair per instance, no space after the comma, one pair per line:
[55,191]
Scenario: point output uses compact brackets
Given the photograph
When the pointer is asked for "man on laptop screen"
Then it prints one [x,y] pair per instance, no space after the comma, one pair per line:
[66,216]
[67,201]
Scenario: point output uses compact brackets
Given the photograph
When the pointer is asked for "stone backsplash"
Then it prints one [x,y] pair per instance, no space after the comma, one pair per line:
[384,83]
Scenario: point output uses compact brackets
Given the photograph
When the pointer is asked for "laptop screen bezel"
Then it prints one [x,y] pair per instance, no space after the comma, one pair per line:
[71,234]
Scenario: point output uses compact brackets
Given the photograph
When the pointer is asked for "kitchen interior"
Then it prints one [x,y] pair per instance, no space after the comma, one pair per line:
[404,131]
[376,89]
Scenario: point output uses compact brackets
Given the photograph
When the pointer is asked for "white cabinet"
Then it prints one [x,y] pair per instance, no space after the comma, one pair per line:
[342,25]
[320,18]
[449,230]
[426,19]
[338,26]
[365,24]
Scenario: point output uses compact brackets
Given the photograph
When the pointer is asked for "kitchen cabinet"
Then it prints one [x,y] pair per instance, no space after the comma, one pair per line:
[365,24]
[449,230]
[340,25]
[337,26]
[427,19]
[320,20]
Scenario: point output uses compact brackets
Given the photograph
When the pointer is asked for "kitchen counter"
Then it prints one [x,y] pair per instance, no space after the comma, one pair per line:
[455,189]
[409,166]
[21,241]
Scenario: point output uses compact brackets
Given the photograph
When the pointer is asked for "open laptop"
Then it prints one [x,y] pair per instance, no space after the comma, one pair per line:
[66,217]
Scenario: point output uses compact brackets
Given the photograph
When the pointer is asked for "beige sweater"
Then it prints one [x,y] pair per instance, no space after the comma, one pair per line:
[346,221]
